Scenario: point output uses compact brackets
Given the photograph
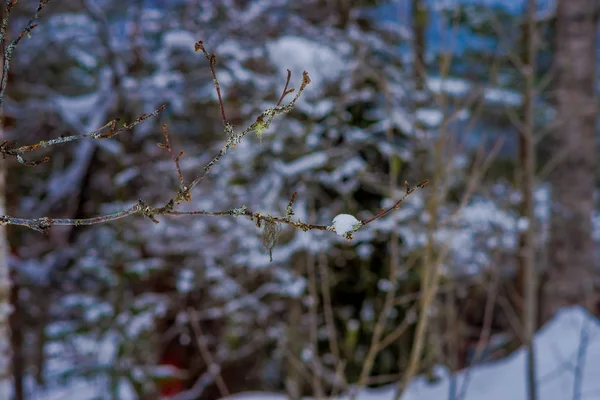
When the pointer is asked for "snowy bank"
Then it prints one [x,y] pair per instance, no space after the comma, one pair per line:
[567,360]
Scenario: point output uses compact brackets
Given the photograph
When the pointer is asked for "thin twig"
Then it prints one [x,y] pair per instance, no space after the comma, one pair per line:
[289,211]
[398,331]
[213,368]
[582,351]
[212,60]
[314,326]
[384,211]
[484,336]
[175,158]
[330,323]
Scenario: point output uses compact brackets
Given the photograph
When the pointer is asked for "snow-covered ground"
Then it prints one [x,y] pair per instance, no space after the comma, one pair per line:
[568,367]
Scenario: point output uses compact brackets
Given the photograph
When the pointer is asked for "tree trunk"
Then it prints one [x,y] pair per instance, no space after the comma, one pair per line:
[571,252]
[5,304]
[5,299]
[527,161]
[16,330]
[419,20]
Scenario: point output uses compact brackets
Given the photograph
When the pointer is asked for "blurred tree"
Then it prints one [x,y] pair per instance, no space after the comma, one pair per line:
[573,258]
[5,287]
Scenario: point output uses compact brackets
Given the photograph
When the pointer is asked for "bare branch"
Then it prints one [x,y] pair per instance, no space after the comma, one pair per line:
[289,211]
[263,121]
[7,150]
[167,145]
[409,191]
[43,224]
[109,130]
[13,45]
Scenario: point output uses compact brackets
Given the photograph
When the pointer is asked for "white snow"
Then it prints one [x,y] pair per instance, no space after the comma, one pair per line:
[453,86]
[503,96]
[303,164]
[185,281]
[460,87]
[522,224]
[298,54]
[179,39]
[431,117]
[344,223]
[567,349]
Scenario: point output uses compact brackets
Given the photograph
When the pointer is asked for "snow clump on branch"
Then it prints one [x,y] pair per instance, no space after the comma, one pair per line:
[345,225]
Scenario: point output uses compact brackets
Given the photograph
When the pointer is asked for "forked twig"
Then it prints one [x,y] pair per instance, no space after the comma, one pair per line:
[285,89]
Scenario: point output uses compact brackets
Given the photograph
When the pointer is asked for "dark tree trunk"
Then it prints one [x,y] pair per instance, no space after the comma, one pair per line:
[18,362]
[571,254]
[420,17]
[5,297]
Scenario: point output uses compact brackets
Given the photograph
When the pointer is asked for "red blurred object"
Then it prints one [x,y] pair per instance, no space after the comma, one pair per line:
[171,386]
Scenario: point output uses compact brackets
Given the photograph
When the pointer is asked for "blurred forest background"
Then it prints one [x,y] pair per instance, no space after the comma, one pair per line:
[493,101]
